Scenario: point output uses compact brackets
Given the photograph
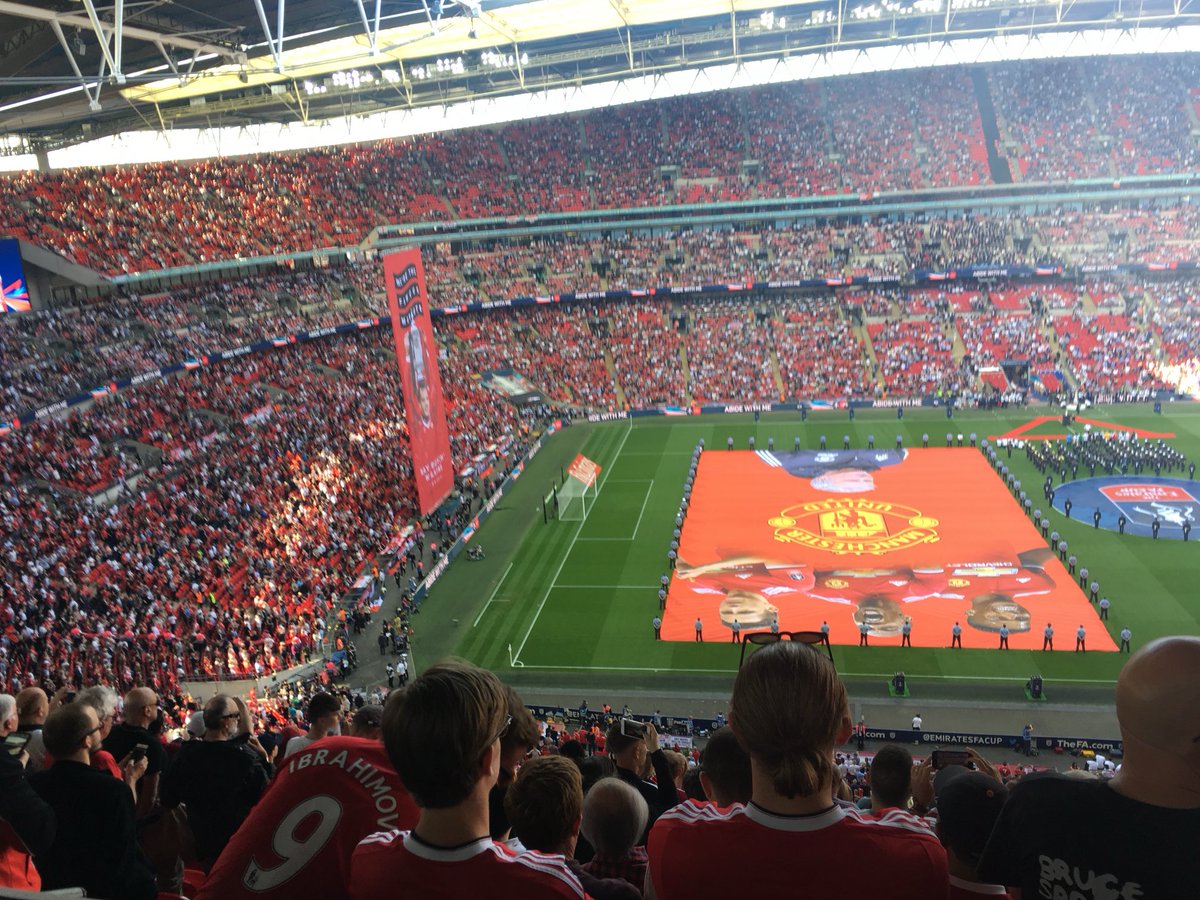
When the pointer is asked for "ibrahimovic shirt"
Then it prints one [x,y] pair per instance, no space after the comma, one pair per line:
[698,851]
[298,839]
[399,864]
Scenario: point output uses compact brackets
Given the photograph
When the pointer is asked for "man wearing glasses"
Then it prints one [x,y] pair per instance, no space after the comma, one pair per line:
[442,734]
[95,846]
[220,779]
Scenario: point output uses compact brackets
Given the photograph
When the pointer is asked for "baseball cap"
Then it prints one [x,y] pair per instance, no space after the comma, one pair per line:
[968,804]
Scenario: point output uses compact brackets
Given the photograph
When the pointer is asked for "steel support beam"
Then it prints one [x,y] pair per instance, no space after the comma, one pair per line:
[372,31]
[93,100]
[75,20]
[101,36]
[275,43]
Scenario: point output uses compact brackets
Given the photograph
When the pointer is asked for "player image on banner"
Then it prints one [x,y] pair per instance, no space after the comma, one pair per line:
[747,587]
[412,331]
[860,537]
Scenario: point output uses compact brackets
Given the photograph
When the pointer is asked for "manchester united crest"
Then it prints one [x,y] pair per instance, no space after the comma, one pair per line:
[854,526]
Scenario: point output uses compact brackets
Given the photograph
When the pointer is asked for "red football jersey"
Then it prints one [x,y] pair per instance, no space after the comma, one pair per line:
[398,864]
[698,851]
[298,839]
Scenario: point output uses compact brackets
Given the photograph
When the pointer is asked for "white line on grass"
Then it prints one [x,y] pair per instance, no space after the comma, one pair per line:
[610,587]
[493,596]
[643,512]
[621,540]
[571,546]
[1014,679]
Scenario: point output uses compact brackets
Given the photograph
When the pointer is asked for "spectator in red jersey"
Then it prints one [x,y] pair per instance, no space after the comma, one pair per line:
[443,733]
[890,778]
[219,778]
[614,819]
[545,806]
[347,788]
[791,823]
[725,769]
[104,701]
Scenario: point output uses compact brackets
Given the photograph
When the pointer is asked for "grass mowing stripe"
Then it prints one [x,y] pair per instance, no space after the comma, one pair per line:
[571,546]
[493,595]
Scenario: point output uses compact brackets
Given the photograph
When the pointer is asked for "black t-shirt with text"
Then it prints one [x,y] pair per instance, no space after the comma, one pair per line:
[1080,839]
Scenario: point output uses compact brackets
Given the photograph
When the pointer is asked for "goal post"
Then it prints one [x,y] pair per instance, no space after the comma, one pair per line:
[575,498]
[570,501]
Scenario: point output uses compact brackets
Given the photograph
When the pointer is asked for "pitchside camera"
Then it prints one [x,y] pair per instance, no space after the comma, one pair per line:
[1035,687]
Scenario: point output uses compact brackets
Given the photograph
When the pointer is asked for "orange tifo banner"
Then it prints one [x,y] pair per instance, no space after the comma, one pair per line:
[877,536]
[584,470]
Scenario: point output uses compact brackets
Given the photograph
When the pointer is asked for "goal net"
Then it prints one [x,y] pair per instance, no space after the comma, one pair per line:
[570,501]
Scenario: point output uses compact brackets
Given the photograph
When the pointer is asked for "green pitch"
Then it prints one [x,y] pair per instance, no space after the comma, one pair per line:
[572,602]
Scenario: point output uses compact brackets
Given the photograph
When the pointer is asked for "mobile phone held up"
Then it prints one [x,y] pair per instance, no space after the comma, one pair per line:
[943,758]
[16,742]
[139,752]
[633,728]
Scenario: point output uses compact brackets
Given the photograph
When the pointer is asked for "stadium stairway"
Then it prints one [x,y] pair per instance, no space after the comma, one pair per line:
[997,164]
[611,366]
[775,373]
[687,372]
[868,348]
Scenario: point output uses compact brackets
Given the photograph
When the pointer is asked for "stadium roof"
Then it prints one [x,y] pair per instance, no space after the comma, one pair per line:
[72,71]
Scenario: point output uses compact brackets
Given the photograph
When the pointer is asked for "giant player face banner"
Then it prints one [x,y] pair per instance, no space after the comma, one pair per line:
[416,352]
[930,537]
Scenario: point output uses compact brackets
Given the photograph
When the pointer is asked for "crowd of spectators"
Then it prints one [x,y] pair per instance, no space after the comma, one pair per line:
[450,785]
[62,351]
[915,357]
[1072,119]
[856,134]
[569,347]
[210,562]
[729,353]
[819,353]
[1108,353]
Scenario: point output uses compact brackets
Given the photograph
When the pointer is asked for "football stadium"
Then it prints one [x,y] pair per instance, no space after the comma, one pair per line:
[498,447]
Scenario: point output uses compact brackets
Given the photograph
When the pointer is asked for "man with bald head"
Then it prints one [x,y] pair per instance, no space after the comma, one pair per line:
[140,711]
[32,708]
[1135,835]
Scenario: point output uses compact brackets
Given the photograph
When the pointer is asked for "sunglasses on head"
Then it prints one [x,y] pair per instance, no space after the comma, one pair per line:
[812,638]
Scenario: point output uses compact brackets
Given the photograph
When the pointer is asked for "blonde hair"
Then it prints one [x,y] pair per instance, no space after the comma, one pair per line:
[787,707]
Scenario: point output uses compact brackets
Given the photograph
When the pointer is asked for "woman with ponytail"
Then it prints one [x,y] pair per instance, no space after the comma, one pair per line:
[789,711]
